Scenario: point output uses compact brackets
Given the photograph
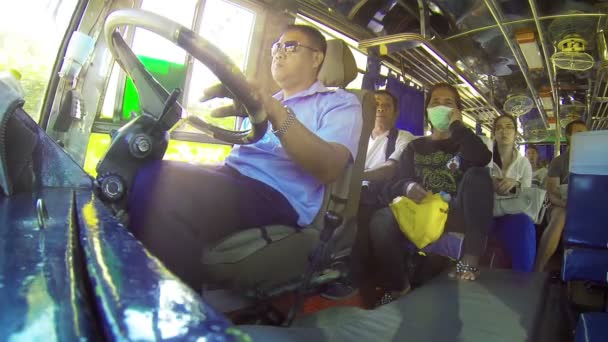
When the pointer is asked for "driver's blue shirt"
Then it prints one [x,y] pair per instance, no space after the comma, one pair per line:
[333,115]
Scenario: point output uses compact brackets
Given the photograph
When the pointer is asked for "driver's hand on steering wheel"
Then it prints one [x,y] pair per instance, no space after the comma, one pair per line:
[275,110]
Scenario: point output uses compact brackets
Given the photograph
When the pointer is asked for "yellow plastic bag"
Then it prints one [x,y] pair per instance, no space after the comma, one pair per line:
[422,223]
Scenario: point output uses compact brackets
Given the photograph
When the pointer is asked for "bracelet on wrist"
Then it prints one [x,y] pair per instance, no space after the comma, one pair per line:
[291,118]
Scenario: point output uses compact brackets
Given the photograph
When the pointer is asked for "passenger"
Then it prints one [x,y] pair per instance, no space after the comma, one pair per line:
[557,183]
[452,160]
[177,209]
[386,142]
[510,170]
[539,171]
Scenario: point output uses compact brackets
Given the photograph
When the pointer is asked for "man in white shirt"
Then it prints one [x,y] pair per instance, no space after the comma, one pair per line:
[386,143]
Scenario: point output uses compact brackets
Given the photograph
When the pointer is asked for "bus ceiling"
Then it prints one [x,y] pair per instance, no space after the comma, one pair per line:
[544,60]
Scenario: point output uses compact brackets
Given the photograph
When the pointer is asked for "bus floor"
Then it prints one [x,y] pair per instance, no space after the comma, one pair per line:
[426,269]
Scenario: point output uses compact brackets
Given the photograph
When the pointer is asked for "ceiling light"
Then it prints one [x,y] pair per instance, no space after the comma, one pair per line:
[546,98]
[529,47]
[551,121]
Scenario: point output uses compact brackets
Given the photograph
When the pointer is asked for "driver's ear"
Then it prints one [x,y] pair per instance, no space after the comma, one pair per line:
[317,59]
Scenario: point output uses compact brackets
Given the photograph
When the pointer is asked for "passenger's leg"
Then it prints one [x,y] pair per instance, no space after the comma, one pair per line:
[388,251]
[474,202]
[517,234]
[361,270]
[550,238]
[177,209]
[361,267]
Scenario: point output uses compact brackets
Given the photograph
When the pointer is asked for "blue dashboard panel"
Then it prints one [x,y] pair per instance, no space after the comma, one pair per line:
[585,264]
[52,165]
[587,216]
[136,296]
[41,289]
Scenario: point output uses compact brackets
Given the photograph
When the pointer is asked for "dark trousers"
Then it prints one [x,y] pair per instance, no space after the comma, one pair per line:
[178,209]
[384,251]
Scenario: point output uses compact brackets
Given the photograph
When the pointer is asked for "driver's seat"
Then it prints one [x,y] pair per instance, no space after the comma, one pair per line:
[269,260]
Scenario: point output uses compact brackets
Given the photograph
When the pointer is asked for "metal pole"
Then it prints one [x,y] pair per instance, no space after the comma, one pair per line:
[423,7]
[558,137]
[494,10]
[549,65]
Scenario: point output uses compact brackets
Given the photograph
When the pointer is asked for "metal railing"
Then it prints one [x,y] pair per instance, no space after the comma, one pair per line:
[517,54]
[550,73]
[428,65]
[597,118]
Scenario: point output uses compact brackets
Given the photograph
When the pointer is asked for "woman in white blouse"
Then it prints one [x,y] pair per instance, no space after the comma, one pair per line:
[539,171]
[510,170]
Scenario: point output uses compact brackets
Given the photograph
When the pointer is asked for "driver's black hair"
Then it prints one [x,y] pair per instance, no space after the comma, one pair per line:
[317,39]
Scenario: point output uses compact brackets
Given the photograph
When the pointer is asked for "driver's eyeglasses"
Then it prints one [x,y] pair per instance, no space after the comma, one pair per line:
[288,47]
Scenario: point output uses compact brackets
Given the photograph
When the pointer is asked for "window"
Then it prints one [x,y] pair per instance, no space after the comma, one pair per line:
[31,48]
[192,152]
[226,24]
[230,27]
[163,59]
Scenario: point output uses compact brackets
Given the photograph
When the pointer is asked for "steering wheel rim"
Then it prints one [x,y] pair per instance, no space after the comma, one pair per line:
[205,52]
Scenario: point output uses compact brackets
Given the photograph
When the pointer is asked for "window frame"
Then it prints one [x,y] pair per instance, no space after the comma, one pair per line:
[107,125]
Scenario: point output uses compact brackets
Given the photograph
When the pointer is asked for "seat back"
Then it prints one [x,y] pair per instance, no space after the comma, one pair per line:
[587,210]
[586,231]
[342,196]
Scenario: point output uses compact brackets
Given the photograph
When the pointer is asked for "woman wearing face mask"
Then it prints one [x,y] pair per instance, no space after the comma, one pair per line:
[452,159]
[510,171]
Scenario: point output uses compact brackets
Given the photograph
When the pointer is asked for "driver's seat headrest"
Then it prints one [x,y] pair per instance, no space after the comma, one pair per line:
[339,67]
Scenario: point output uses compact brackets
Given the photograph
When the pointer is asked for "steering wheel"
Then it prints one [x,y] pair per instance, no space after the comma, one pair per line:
[154,98]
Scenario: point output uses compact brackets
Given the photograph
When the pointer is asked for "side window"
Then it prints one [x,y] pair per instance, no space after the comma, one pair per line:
[31,48]
[229,25]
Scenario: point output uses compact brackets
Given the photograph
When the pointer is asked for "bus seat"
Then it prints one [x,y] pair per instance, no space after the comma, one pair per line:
[263,259]
[592,327]
[585,234]
[587,211]
[585,264]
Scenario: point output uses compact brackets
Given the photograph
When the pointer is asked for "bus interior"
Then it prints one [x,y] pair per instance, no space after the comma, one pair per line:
[108,86]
